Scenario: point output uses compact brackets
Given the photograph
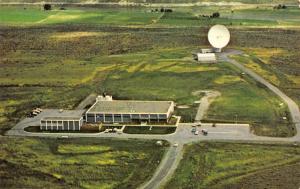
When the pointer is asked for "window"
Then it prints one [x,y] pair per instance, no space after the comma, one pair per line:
[126,115]
[43,128]
[99,118]
[108,118]
[145,116]
[135,116]
[76,125]
[162,116]
[153,116]
[126,118]
[117,118]
[65,125]
[90,118]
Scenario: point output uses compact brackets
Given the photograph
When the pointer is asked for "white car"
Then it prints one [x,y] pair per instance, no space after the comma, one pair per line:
[175,144]
[196,132]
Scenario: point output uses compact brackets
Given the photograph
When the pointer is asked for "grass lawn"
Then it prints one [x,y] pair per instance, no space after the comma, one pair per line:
[228,165]
[147,130]
[77,163]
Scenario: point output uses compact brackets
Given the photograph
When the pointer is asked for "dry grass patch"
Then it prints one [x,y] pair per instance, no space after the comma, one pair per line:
[265,54]
[59,17]
[66,36]
[71,148]
[227,79]
[249,63]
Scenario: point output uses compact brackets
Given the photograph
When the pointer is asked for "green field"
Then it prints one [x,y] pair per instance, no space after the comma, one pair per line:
[228,165]
[35,16]
[77,163]
[180,17]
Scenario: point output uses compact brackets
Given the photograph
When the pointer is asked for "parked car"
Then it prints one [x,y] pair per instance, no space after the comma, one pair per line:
[39,109]
[175,144]
[34,113]
[31,114]
[196,132]
[108,130]
[204,131]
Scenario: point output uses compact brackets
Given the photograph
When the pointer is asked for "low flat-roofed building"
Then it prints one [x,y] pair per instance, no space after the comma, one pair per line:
[206,57]
[58,120]
[126,111]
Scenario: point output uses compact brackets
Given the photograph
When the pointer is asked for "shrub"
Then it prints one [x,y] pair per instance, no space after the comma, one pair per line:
[215,15]
[47,7]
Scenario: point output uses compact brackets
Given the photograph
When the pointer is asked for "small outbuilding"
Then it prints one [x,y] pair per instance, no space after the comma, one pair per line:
[206,57]
[62,120]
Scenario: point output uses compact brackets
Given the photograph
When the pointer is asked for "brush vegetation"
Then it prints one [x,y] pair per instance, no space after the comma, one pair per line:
[228,165]
[77,163]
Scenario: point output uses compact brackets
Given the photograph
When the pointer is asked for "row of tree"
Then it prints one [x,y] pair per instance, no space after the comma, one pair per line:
[213,15]
[162,10]
[280,6]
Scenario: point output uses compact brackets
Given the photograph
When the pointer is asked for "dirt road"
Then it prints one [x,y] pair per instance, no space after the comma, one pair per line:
[205,103]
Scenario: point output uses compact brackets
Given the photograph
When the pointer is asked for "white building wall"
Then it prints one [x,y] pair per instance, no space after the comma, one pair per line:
[206,57]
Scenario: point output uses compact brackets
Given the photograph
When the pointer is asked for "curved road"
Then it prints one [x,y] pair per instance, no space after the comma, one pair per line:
[166,168]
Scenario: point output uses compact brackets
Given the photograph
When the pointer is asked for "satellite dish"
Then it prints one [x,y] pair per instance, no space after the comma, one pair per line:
[218,36]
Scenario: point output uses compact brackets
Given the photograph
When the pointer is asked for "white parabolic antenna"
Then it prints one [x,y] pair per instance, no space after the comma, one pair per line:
[218,36]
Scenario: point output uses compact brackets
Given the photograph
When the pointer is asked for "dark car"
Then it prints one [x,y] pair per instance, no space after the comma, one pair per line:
[204,131]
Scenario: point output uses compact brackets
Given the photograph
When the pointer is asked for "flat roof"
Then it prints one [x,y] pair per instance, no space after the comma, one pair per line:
[131,107]
[61,118]
[56,114]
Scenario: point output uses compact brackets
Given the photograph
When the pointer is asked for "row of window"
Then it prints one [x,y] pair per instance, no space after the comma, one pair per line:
[60,128]
[132,116]
[60,123]
[124,117]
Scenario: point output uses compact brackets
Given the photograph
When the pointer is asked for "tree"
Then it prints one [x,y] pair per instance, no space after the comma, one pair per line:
[215,15]
[47,7]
